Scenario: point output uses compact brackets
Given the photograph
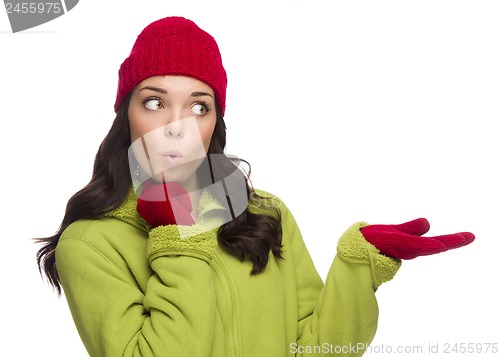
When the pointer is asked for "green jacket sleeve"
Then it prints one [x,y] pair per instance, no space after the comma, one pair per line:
[340,316]
[174,316]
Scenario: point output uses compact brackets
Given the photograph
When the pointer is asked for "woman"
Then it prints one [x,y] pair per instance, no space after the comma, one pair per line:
[169,251]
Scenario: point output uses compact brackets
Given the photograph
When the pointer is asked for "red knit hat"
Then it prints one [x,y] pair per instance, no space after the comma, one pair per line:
[173,46]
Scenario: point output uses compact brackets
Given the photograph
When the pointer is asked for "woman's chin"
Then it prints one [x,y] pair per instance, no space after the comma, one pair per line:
[183,177]
[184,174]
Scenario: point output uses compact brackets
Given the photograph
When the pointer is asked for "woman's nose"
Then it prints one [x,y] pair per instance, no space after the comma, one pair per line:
[174,128]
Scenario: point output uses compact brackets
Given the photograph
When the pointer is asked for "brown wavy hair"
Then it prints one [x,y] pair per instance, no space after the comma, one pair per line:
[252,235]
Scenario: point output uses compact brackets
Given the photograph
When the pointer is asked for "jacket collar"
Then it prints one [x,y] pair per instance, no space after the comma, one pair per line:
[127,211]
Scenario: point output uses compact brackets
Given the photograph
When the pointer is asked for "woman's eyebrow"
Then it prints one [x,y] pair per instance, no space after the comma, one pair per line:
[200,94]
[163,91]
[155,89]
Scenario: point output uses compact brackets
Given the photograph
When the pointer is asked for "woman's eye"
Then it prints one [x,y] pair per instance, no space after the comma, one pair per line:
[153,104]
[200,109]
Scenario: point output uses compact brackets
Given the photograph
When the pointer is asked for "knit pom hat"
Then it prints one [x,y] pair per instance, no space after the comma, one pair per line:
[173,46]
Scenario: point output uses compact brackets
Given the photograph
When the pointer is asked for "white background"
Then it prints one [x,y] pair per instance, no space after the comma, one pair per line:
[381,111]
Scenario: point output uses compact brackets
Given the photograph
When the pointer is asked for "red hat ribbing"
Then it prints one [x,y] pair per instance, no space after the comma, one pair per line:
[173,46]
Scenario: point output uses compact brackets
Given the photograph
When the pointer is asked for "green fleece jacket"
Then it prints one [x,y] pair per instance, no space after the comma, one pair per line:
[136,291]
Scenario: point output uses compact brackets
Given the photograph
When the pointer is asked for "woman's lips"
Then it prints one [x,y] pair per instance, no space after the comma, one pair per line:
[172,157]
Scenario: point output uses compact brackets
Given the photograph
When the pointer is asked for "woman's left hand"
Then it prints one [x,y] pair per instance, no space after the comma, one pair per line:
[405,241]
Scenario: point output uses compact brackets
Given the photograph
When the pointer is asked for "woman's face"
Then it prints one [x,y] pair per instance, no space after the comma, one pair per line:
[172,119]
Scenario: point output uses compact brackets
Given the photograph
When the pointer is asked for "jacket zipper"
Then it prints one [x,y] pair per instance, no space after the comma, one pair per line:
[232,307]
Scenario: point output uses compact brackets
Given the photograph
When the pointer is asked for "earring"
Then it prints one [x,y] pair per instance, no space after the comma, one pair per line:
[136,172]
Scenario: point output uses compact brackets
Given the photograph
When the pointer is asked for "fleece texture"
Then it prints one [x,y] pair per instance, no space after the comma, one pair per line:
[137,291]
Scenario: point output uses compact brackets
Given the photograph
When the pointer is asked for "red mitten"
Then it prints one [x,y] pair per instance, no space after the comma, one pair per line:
[405,241]
[165,204]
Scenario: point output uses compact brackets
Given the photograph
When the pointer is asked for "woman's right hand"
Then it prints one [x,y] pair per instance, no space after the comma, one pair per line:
[165,204]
